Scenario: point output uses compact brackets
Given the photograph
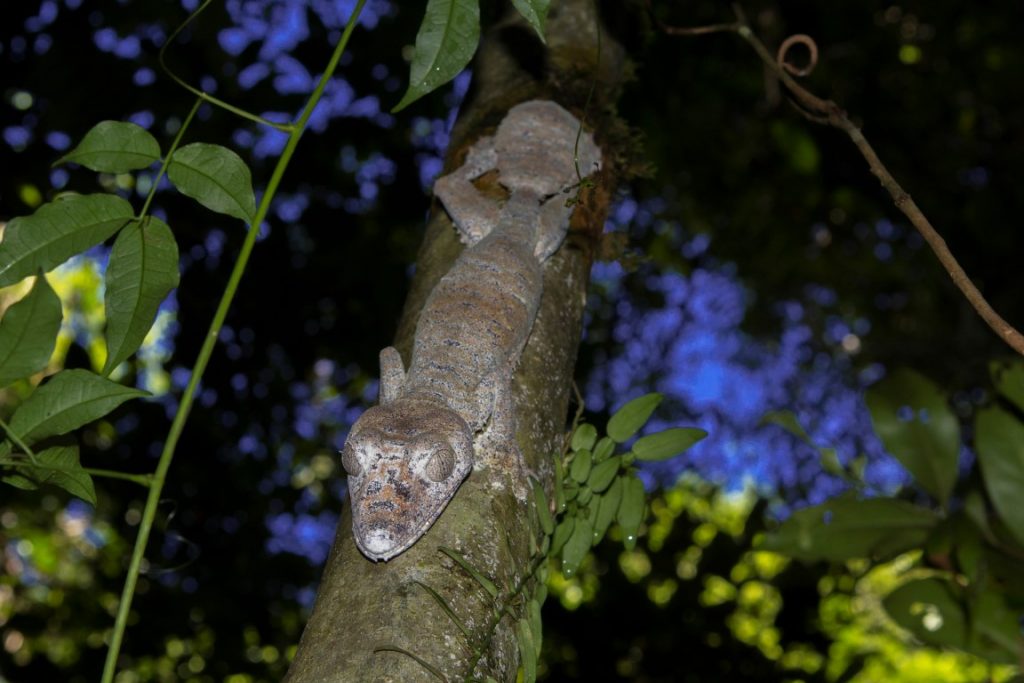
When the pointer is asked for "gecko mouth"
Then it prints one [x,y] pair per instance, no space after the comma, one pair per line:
[384,536]
[380,543]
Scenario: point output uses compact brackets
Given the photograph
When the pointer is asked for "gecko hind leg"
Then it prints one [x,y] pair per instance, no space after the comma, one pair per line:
[473,214]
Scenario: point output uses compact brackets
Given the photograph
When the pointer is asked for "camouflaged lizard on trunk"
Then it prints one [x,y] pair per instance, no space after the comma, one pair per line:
[407,456]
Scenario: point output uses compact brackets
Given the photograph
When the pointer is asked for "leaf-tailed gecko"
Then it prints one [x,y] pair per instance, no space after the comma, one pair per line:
[408,455]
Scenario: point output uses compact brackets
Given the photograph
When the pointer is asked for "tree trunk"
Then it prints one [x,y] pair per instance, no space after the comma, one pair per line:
[364,611]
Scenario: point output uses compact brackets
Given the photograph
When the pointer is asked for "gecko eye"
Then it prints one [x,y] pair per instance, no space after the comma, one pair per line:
[349,461]
[440,465]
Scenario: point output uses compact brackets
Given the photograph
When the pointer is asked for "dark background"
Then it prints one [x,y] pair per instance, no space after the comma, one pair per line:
[766,269]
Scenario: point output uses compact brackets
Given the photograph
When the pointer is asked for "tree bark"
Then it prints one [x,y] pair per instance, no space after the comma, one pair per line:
[364,609]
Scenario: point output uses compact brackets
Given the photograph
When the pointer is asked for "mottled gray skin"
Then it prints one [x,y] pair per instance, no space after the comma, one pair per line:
[407,456]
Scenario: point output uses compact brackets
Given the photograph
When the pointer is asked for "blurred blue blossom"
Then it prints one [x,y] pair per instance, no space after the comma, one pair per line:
[17,137]
[715,376]
[278,26]
[59,140]
[302,534]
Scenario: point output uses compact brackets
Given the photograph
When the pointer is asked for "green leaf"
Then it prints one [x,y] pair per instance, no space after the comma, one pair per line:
[607,508]
[115,147]
[911,416]
[536,625]
[968,550]
[602,474]
[631,509]
[484,582]
[845,528]
[977,511]
[562,533]
[830,462]
[576,546]
[829,458]
[28,333]
[560,501]
[446,608]
[57,466]
[540,500]
[1005,569]
[535,12]
[527,651]
[857,467]
[70,399]
[584,437]
[667,444]
[1008,378]
[929,609]
[788,421]
[215,177]
[580,467]
[628,419]
[999,438]
[603,449]
[584,496]
[143,270]
[57,231]
[19,482]
[995,625]
[445,43]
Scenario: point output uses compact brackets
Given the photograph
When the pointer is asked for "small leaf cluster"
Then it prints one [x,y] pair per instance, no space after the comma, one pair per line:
[594,486]
[142,271]
[972,539]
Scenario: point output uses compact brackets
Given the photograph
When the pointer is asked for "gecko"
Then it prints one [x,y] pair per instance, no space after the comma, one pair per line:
[407,456]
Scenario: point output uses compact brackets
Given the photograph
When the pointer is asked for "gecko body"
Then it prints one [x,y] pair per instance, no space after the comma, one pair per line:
[408,455]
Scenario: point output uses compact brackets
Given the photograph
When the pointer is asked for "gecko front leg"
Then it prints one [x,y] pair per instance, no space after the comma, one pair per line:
[473,214]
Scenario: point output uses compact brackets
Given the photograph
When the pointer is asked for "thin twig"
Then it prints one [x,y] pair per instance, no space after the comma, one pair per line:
[694,30]
[827,112]
[700,30]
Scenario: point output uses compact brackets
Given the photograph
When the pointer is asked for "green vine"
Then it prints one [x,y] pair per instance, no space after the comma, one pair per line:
[149,512]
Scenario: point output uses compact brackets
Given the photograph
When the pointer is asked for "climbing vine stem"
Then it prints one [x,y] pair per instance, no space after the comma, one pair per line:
[178,424]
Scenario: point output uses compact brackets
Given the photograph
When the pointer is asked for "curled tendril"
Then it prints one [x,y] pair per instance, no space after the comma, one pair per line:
[812,57]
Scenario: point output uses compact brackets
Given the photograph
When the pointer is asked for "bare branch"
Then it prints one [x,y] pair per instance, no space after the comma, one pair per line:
[731,27]
[827,112]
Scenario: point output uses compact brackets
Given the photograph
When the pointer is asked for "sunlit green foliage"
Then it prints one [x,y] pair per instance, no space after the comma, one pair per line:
[863,643]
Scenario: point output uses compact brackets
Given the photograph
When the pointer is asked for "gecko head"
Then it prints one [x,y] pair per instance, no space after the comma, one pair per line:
[405,461]
[537,150]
